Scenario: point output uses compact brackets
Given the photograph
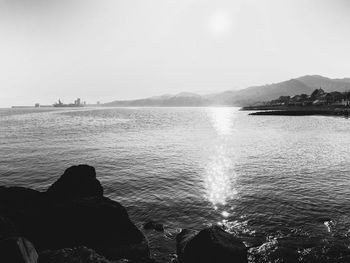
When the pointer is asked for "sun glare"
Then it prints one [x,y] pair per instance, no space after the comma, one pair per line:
[222,120]
[220,23]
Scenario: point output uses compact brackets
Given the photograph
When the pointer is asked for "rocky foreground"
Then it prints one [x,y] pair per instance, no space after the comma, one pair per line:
[73,222]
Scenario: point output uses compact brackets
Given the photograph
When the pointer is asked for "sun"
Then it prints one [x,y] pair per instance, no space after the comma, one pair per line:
[220,23]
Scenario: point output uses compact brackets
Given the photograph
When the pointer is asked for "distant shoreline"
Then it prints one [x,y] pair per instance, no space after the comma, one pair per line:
[258,110]
[298,110]
[50,106]
[129,106]
[30,107]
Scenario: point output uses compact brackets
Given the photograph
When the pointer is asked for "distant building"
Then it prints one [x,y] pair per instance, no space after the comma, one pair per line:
[317,93]
[98,103]
[37,105]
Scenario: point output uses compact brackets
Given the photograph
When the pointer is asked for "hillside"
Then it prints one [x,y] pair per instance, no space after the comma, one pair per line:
[244,97]
[179,100]
[268,92]
[327,84]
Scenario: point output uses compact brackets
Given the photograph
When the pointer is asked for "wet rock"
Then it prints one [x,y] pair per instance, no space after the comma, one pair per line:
[72,255]
[210,245]
[181,240]
[152,225]
[17,250]
[76,182]
[328,252]
[275,250]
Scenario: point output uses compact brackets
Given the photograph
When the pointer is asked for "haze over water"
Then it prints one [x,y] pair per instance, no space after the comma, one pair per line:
[281,183]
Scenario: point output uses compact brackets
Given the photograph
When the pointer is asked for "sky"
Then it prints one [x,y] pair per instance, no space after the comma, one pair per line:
[112,49]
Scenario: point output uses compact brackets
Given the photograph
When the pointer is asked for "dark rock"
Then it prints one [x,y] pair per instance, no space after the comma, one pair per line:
[73,212]
[14,203]
[210,245]
[7,228]
[19,198]
[17,250]
[181,240]
[98,223]
[72,255]
[154,225]
[76,182]
[274,251]
[144,260]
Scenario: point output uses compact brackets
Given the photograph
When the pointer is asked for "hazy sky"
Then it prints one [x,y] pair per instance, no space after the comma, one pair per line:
[109,49]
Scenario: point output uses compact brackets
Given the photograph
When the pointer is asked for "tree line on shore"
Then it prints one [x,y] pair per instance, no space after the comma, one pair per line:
[317,98]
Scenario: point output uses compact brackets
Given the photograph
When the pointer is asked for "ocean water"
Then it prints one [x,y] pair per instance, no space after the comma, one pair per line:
[281,183]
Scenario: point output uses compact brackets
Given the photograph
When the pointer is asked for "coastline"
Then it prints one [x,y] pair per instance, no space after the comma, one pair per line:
[298,110]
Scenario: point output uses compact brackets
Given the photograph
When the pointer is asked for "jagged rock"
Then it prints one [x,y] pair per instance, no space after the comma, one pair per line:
[76,182]
[210,245]
[17,250]
[72,255]
[154,225]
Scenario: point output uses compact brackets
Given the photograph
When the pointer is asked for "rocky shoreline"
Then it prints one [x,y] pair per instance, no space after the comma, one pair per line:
[296,113]
[74,222]
[298,110]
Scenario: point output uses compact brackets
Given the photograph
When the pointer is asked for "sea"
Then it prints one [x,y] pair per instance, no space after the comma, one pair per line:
[280,183]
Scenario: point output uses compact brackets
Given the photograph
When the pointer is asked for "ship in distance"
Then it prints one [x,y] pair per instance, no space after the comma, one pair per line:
[77,103]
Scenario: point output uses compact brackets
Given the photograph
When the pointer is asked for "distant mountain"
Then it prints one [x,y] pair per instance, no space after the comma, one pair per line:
[327,84]
[178,100]
[244,97]
[256,94]
[305,84]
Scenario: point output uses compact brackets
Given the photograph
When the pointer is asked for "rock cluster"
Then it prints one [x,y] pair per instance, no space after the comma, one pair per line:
[74,222]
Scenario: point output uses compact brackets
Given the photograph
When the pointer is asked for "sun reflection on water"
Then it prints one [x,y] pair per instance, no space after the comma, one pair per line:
[219,177]
[222,119]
